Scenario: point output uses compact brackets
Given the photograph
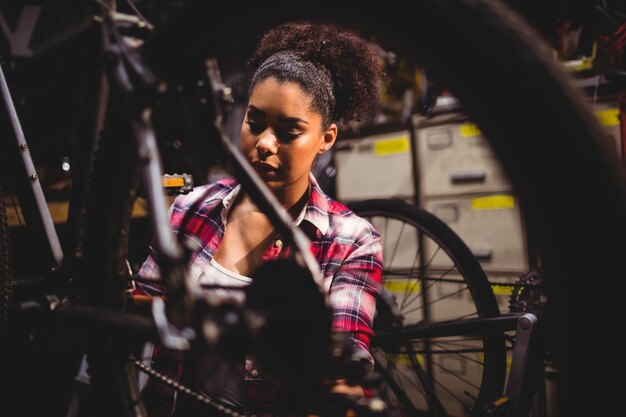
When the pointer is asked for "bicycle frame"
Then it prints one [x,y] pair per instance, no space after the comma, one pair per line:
[32,200]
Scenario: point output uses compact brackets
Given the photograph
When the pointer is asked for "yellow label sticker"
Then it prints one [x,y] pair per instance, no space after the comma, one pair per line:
[500,401]
[59,211]
[493,202]
[469,129]
[502,289]
[392,146]
[401,286]
[608,117]
[15,217]
[582,64]
[404,359]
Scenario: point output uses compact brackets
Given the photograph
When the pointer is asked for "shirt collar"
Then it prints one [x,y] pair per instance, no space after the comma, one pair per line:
[314,212]
[316,209]
[228,201]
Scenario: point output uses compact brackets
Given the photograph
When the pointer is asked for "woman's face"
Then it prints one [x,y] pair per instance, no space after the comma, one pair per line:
[281,135]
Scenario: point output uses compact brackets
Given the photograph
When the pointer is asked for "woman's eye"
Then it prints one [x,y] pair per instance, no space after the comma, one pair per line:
[287,136]
[254,126]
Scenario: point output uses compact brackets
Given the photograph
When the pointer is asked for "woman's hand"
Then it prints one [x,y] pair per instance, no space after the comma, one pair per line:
[341,387]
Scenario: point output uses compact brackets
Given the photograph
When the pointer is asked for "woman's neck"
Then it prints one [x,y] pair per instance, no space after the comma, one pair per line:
[291,202]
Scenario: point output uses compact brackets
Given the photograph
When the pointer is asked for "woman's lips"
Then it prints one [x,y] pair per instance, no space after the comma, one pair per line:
[263,168]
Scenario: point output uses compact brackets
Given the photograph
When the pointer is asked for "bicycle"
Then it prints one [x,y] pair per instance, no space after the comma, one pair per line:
[100,246]
[541,188]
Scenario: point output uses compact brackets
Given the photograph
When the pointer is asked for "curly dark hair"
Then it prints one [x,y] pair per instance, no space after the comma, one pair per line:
[340,70]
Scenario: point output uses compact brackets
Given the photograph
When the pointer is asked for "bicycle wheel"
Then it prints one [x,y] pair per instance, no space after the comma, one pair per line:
[5,270]
[464,371]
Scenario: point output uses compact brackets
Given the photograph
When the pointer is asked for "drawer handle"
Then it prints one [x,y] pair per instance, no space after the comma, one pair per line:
[482,254]
[468,176]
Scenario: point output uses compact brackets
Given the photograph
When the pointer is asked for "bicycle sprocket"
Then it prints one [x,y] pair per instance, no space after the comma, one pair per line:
[530,292]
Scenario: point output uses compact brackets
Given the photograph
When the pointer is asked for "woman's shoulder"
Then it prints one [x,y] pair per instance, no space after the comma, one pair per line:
[216,190]
[201,202]
[346,223]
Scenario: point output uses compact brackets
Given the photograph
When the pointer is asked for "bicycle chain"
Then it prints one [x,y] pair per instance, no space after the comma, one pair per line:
[186,390]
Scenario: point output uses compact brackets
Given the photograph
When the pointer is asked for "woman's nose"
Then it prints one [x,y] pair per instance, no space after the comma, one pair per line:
[267,144]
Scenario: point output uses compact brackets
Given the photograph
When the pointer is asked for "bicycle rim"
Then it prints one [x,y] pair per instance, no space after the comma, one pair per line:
[433,277]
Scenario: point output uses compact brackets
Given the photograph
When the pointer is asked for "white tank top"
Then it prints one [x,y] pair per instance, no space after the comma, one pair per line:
[221,281]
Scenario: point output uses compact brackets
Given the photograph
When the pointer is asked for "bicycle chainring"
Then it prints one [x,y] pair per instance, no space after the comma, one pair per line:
[530,292]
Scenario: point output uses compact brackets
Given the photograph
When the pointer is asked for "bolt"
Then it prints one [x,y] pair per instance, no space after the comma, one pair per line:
[524,323]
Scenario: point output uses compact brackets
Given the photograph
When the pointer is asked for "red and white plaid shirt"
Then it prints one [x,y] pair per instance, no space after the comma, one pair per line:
[347,248]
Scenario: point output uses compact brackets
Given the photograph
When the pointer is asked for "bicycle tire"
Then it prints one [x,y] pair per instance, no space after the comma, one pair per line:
[486,48]
[113,186]
[6,274]
[531,112]
[414,241]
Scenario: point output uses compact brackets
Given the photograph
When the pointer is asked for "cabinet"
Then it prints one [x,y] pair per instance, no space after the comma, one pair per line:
[375,166]
[461,181]
[443,163]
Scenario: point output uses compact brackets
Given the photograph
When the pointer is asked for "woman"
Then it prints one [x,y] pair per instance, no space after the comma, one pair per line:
[307,78]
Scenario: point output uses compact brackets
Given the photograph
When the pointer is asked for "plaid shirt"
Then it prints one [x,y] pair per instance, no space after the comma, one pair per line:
[347,248]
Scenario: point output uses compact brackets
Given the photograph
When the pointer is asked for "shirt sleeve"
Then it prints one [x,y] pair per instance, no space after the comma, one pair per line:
[355,287]
[148,278]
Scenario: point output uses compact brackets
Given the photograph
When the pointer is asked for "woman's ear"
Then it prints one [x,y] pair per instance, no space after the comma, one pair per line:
[330,135]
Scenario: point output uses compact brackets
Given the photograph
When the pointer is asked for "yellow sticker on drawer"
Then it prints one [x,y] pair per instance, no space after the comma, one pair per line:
[401,286]
[608,117]
[391,146]
[404,358]
[493,202]
[502,289]
[469,129]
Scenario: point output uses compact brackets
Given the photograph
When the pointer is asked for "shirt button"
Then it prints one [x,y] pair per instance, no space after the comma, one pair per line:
[278,243]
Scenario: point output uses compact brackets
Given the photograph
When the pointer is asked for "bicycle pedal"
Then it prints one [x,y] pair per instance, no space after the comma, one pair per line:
[500,407]
[175,184]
